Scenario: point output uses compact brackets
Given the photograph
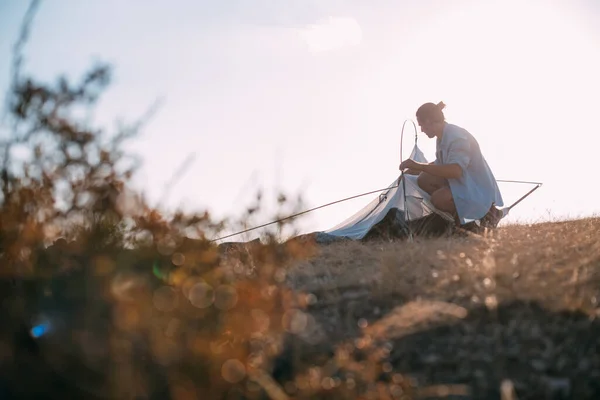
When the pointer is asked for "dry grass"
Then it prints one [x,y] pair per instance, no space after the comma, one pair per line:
[556,264]
[517,308]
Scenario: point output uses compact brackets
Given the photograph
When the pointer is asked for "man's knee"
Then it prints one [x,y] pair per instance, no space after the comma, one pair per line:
[424,182]
[442,200]
[430,183]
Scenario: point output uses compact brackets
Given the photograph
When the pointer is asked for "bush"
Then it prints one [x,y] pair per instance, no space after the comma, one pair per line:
[105,296]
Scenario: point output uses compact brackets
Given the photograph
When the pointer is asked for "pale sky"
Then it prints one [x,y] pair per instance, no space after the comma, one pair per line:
[309,96]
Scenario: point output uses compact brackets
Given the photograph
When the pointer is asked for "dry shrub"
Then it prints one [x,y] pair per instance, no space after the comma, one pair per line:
[106,296]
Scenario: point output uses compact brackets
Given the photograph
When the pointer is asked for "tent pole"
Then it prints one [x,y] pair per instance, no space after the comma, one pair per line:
[525,196]
[406,216]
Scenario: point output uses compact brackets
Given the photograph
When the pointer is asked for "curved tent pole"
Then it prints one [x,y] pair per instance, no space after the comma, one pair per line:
[406,216]
[383,196]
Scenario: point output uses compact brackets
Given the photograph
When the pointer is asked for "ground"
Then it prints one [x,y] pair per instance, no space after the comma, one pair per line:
[514,313]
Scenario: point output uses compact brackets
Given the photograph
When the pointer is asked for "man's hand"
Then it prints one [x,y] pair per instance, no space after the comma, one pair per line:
[412,166]
[411,172]
[447,171]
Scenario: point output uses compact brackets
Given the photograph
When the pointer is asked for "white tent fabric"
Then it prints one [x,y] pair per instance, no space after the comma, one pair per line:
[418,205]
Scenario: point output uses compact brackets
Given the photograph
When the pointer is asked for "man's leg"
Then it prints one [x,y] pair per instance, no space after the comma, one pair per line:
[442,200]
[431,183]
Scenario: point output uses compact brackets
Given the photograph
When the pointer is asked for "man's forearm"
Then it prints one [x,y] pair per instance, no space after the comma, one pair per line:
[449,171]
[412,171]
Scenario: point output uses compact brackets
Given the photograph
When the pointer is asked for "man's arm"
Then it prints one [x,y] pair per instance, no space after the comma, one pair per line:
[447,171]
[414,171]
[458,160]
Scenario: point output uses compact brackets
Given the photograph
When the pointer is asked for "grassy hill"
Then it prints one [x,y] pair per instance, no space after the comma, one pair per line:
[518,309]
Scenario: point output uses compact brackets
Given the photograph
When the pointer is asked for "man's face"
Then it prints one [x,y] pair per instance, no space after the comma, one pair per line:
[427,127]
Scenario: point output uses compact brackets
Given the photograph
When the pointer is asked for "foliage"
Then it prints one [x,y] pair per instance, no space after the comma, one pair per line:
[105,295]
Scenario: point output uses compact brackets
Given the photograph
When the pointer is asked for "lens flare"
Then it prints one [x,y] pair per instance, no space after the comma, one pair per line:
[40,330]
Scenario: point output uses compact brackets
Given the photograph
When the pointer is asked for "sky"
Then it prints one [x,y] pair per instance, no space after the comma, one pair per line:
[308,97]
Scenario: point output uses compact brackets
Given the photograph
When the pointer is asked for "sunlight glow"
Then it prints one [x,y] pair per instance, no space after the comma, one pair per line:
[309,98]
[332,33]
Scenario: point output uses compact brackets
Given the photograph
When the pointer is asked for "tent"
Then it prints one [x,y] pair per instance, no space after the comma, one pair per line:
[403,207]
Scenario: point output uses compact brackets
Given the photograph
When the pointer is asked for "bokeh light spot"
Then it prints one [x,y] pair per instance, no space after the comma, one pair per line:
[201,295]
[159,273]
[233,371]
[123,286]
[294,321]
[40,330]
[178,259]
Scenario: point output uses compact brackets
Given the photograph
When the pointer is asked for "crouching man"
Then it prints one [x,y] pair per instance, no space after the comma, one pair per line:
[459,181]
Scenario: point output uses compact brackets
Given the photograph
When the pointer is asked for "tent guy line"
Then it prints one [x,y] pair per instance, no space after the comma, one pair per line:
[300,213]
[538,185]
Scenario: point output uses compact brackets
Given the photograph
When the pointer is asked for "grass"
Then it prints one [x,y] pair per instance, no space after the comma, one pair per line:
[517,308]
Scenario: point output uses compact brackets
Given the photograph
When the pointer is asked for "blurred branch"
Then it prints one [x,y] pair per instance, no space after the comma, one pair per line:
[22,39]
[185,165]
[17,63]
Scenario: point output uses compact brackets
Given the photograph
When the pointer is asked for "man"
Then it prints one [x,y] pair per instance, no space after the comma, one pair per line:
[459,181]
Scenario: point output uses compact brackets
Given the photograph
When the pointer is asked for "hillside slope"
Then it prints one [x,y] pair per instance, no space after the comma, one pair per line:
[518,308]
